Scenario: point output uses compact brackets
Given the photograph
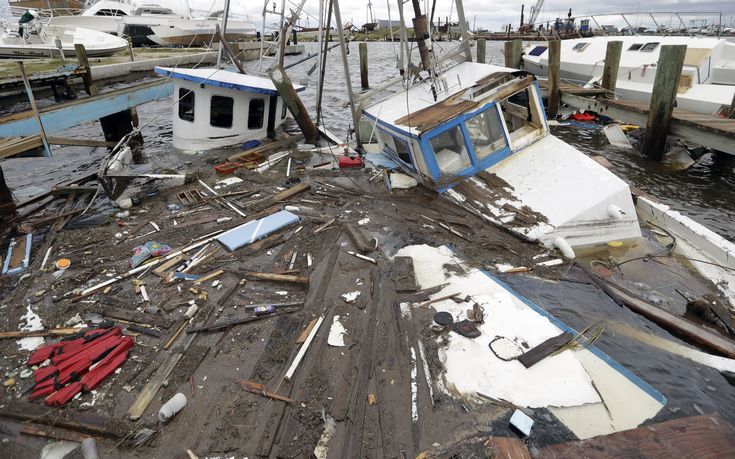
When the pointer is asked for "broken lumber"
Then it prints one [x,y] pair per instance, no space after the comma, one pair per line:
[266,148]
[436,300]
[545,349]
[230,323]
[140,318]
[305,332]
[260,389]
[293,191]
[85,423]
[274,277]
[675,324]
[209,276]
[697,436]
[40,333]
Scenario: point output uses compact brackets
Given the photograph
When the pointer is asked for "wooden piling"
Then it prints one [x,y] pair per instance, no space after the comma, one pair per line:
[89,85]
[34,107]
[663,98]
[7,206]
[552,107]
[612,66]
[285,89]
[364,66]
[513,53]
[481,44]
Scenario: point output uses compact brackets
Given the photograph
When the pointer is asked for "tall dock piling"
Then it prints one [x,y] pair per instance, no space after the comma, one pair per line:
[612,66]
[481,44]
[285,89]
[364,66]
[552,107]
[513,53]
[89,85]
[663,98]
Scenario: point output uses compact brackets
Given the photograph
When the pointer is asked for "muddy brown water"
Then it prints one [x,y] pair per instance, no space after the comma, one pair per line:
[704,192]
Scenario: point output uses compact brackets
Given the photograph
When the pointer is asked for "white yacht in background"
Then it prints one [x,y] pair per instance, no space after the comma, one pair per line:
[708,76]
[38,38]
[154,25]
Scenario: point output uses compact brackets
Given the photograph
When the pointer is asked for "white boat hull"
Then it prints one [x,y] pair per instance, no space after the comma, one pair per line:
[43,44]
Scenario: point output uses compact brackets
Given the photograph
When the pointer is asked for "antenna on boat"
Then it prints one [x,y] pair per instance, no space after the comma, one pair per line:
[346,67]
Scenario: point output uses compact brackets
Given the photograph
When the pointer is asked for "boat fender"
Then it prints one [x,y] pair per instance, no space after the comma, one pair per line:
[615,212]
[564,247]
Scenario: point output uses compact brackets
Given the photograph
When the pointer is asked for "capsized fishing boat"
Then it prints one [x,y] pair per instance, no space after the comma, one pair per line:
[38,38]
[216,108]
[154,25]
[708,76]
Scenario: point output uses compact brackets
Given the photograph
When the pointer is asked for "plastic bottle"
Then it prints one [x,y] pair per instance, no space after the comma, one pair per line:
[173,406]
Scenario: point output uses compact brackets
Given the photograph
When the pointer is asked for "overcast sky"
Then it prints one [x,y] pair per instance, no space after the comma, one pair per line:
[490,14]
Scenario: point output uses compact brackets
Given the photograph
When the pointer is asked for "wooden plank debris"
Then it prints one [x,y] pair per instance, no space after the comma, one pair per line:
[678,325]
[85,423]
[274,277]
[260,389]
[40,333]
[293,191]
[545,349]
[706,436]
[403,274]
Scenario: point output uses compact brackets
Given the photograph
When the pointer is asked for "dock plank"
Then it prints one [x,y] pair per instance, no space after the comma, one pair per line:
[703,437]
[58,117]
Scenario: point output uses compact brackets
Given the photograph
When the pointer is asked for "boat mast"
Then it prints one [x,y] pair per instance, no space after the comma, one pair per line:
[224,32]
[346,67]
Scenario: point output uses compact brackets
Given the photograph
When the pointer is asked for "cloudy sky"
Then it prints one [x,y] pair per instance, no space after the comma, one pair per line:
[490,14]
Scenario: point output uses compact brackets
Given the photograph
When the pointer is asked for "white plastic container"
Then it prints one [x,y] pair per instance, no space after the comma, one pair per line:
[173,406]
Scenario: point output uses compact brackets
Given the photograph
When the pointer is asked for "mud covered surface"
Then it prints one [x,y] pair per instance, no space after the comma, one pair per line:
[356,398]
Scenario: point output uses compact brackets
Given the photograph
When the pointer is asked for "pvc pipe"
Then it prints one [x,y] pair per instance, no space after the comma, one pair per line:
[304,348]
[564,247]
[173,406]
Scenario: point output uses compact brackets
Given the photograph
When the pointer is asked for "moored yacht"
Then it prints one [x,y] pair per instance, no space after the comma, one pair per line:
[153,25]
[708,76]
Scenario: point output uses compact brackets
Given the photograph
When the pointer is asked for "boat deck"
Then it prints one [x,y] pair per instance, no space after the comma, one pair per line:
[569,88]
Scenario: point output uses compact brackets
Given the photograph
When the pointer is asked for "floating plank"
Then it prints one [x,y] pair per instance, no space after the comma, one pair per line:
[38,333]
[134,316]
[274,277]
[293,191]
[545,349]
[59,117]
[678,325]
[266,148]
[66,419]
[707,436]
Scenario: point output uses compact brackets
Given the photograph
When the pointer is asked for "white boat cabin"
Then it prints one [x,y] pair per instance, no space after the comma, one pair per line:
[219,108]
[485,114]
[485,141]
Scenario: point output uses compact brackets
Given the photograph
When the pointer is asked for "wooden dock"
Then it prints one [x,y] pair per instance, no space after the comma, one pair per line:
[20,130]
[569,88]
[705,130]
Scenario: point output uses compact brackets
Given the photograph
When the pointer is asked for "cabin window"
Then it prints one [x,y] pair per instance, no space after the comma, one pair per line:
[537,51]
[579,47]
[110,12]
[220,112]
[450,151]
[486,133]
[635,47]
[649,46]
[403,151]
[186,104]
[256,113]
[522,116]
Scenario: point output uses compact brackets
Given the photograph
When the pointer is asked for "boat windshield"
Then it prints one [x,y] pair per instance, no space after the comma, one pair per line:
[486,132]
[451,151]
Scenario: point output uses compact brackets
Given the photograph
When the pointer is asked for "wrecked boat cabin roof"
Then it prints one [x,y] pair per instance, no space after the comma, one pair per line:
[224,79]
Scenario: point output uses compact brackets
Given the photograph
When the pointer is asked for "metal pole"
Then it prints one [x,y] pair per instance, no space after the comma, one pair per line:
[405,52]
[34,107]
[319,41]
[224,31]
[323,65]
[463,30]
[346,67]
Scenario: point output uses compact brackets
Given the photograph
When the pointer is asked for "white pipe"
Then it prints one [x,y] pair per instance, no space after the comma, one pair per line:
[304,348]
